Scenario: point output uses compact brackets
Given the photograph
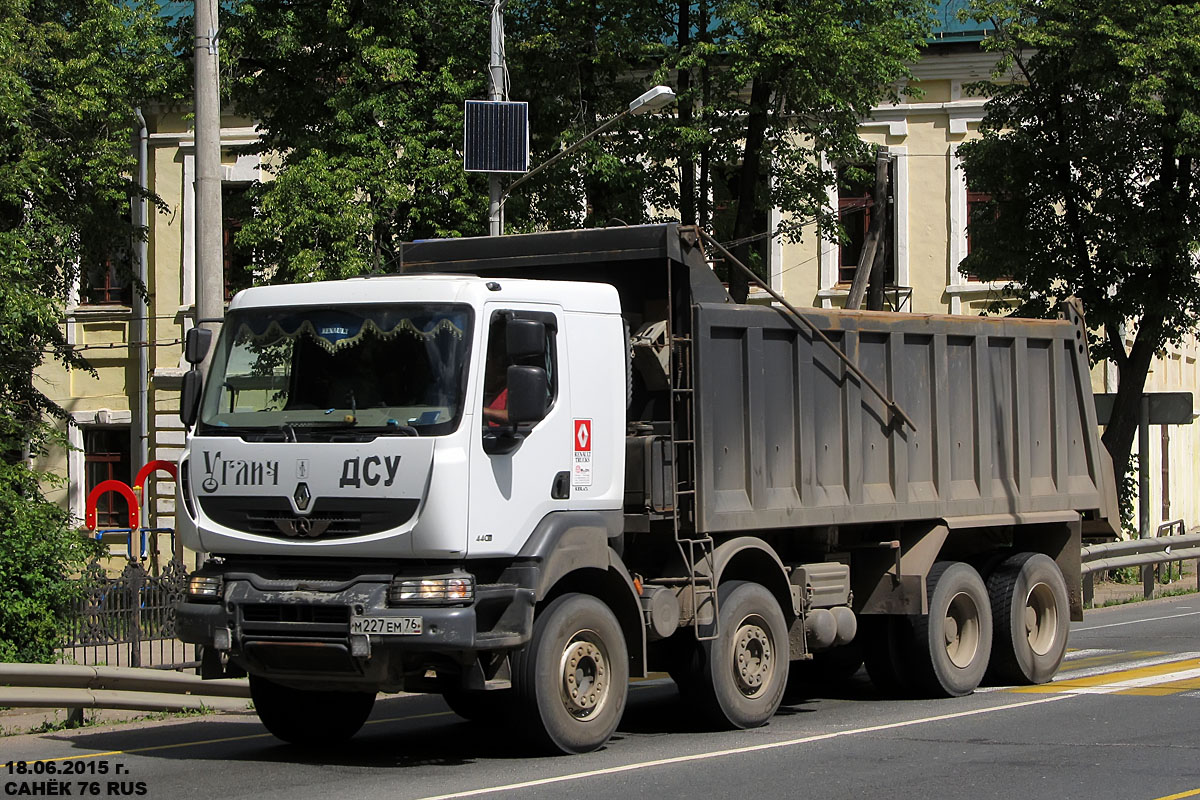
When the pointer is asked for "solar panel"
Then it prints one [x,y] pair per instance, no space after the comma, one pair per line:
[496,136]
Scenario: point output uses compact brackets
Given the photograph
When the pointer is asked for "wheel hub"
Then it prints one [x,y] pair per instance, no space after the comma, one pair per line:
[962,630]
[1041,619]
[585,681]
[753,657]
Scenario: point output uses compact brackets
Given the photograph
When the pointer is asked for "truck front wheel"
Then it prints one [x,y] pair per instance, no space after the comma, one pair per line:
[1030,614]
[745,668]
[572,679]
[309,717]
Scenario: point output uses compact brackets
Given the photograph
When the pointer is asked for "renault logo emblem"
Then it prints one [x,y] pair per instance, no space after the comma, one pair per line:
[302,496]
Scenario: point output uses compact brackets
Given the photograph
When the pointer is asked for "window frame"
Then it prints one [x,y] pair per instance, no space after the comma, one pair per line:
[549,319]
[108,517]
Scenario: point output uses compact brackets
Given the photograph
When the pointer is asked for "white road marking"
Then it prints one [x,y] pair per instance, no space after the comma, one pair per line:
[743,750]
[1095,651]
[1076,674]
[1134,622]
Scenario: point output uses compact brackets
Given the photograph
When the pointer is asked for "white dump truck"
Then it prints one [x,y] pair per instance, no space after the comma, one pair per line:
[529,468]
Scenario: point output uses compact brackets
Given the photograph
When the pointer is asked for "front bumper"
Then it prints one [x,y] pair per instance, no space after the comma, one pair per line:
[300,633]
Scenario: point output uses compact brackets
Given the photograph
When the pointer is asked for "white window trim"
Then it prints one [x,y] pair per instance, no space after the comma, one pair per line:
[775,241]
[247,169]
[829,248]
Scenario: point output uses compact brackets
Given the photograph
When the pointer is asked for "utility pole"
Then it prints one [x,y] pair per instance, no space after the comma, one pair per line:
[210,267]
[869,270]
[497,92]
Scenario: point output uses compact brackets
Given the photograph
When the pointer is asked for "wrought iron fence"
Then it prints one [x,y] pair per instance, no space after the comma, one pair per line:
[129,619]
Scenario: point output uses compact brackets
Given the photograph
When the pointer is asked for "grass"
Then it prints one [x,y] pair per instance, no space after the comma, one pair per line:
[56,725]
[1137,598]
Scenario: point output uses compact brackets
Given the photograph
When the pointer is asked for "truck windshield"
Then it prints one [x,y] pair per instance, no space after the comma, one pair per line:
[298,371]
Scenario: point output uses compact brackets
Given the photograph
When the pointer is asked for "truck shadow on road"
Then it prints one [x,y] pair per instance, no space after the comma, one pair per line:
[414,731]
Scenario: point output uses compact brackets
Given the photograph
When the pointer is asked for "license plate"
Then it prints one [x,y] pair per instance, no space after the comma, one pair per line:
[386,626]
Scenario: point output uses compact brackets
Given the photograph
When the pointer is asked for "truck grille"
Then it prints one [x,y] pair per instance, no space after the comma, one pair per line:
[296,622]
[331,517]
[287,612]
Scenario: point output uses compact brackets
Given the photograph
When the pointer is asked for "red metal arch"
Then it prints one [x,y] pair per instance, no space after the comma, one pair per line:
[103,488]
[166,466]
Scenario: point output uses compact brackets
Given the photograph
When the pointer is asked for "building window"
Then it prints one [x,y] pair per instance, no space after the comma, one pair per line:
[109,283]
[106,457]
[856,208]
[239,259]
[976,202]
[726,189]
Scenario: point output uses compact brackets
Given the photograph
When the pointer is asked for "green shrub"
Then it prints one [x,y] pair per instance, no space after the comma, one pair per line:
[41,559]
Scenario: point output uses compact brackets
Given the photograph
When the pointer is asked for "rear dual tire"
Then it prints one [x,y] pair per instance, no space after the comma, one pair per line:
[944,653]
[1030,619]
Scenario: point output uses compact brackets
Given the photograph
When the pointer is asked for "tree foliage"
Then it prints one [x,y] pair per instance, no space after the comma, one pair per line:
[71,73]
[766,88]
[1089,153]
[364,102]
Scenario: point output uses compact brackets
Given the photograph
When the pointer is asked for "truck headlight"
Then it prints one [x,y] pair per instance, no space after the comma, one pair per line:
[205,588]
[454,589]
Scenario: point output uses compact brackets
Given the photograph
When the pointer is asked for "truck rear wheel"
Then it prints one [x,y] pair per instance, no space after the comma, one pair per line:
[309,717]
[745,668]
[953,642]
[572,679]
[1030,614]
[887,643]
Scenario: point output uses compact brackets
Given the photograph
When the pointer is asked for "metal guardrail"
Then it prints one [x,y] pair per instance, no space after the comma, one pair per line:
[1168,546]
[128,688]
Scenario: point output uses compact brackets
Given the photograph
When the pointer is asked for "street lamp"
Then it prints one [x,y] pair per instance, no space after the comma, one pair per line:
[653,100]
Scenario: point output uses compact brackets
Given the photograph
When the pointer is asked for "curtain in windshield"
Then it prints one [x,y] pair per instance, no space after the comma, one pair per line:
[370,366]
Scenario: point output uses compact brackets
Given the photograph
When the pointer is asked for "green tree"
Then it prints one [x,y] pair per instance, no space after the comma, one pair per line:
[765,87]
[1089,153]
[71,73]
[362,104]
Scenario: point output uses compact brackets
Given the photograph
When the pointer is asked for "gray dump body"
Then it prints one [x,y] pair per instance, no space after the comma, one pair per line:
[788,437]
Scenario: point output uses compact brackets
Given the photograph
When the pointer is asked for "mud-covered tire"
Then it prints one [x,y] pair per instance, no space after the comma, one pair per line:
[309,718]
[887,647]
[571,681]
[744,670]
[479,706]
[953,642]
[1030,619]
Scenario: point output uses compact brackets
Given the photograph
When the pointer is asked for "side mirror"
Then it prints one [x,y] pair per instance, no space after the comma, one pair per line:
[195,346]
[526,338]
[189,400]
[528,393]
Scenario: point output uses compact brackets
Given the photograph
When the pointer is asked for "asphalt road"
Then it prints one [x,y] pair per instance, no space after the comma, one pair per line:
[1120,721]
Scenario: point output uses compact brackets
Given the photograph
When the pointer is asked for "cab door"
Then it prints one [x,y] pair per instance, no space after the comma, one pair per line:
[513,487]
